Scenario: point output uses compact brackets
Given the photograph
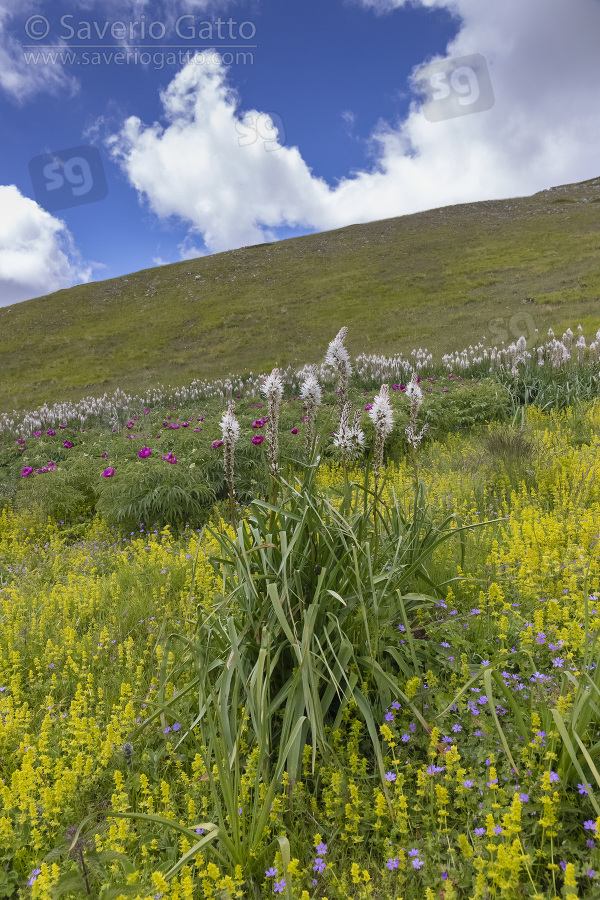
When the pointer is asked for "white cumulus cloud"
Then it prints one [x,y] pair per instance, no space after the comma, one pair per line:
[235,185]
[37,255]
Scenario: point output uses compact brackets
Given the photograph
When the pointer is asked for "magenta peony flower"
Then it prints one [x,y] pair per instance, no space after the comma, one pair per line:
[145,452]
[62,426]
[37,433]
[185,424]
[146,411]
[130,425]
[104,455]
[216,444]
[67,444]
[201,419]
[258,439]
[395,387]
[173,425]
[108,473]
[369,406]
[26,471]
[294,431]
[258,423]
[51,432]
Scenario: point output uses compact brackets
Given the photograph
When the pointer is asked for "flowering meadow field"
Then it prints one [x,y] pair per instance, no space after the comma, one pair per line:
[329,633]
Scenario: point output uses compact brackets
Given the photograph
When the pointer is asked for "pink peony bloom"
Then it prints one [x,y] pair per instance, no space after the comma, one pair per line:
[28,470]
[294,431]
[67,444]
[216,444]
[51,432]
[104,455]
[144,453]
[37,433]
[108,473]
[257,439]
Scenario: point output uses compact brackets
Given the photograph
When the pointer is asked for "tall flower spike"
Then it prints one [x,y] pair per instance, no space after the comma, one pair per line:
[311,396]
[273,391]
[383,421]
[230,429]
[337,357]
[349,438]
[413,392]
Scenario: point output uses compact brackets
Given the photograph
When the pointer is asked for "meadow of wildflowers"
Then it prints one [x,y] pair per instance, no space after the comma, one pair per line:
[361,661]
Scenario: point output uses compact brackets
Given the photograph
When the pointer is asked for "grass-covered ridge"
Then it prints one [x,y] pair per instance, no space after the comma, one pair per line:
[418,280]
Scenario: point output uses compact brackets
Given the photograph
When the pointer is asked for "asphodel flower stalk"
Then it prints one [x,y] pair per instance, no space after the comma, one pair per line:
[349,439]
[337,357]
[230,429]
[273,391]
[382,418]
[415,395]
[310,394]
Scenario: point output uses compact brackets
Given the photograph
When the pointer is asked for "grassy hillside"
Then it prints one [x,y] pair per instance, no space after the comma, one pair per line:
[440,279]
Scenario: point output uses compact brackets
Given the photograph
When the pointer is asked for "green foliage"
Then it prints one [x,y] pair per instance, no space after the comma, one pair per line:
[154,491]
[302,629]
[69,493]
[473,404]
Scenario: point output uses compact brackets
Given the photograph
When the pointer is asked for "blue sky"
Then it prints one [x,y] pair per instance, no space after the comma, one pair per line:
[336,82]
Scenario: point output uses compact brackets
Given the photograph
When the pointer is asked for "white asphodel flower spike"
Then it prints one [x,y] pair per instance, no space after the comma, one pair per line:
[337,357]
[383,421]
[230,429]
[273,391]
[349,439]
[311,397]
[414,393]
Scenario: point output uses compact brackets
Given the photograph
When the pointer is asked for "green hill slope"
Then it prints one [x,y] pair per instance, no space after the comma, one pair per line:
[439,279]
